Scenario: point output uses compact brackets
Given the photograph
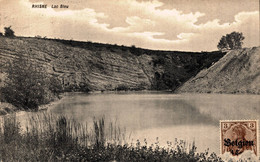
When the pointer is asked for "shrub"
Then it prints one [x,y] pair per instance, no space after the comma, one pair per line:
[27,86]
[9,32]
[159,60]
[55,86]
[136,51]
[122,87]
[84,87]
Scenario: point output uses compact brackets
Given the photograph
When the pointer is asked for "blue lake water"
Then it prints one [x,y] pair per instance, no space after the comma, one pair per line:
[189,117]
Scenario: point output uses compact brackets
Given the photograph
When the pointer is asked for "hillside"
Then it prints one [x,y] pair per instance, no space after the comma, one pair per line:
[237,72]
[107,67]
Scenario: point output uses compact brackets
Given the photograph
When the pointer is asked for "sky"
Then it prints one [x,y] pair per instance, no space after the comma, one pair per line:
[186,25]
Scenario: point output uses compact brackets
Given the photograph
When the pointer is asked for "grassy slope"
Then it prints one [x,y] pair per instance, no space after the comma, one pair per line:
[237,72]
[108,67]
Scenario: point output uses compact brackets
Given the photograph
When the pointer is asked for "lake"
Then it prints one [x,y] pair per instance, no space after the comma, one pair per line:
[148,115]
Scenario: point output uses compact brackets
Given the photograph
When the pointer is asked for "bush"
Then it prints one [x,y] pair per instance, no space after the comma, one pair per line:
[27,86]
[84,87]
[122,87]
[55,86]
[136,51]
[159,60]
[9,32]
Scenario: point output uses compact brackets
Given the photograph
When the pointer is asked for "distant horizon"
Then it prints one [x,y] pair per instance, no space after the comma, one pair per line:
[166,25]
[119,45]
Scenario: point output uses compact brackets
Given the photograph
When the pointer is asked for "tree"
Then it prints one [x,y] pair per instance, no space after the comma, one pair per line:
[9,32]
[231,41]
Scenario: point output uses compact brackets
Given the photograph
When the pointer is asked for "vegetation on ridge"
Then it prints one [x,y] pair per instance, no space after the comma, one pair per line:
[9,32]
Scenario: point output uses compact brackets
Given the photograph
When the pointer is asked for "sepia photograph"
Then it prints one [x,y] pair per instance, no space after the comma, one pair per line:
[129,80]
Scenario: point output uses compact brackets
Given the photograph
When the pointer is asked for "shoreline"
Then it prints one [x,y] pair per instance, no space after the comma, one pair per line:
[8,109]
[44,107]
[20,112]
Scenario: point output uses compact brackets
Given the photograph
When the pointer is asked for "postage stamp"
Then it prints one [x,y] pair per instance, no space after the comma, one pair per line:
[239,136]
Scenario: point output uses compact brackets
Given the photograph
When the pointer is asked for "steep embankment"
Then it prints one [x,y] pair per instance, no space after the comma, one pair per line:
[237,72]
[107,67]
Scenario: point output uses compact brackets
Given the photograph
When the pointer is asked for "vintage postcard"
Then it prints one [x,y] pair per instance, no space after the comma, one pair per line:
[129,80]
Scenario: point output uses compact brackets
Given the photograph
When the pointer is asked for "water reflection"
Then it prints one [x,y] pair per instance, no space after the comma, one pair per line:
[164,115]
[135,111]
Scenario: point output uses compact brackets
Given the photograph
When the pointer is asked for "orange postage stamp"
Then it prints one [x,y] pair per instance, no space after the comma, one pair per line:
[239,136]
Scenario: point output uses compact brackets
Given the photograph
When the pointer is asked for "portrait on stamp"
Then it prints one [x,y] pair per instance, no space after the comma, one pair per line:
[238,136]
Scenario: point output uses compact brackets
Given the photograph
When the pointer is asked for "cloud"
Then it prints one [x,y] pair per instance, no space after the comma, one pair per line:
[135,20]
[185,35]
[248,24]
[211,32]
[243,16]
[142,23]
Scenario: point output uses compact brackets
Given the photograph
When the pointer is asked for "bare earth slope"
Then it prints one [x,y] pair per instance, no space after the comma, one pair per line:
[75,66]
[237,72]
[106,67]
